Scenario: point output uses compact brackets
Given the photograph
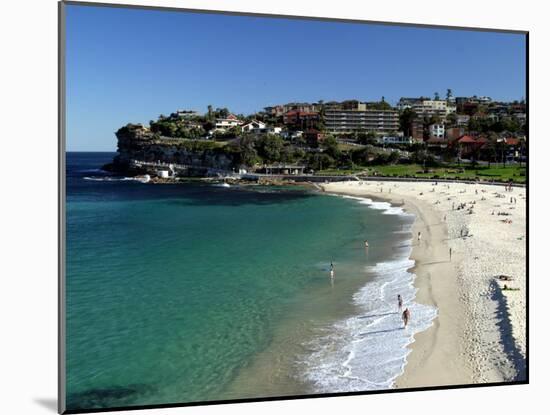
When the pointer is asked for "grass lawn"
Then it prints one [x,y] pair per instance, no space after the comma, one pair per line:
[348,147]
[495,172]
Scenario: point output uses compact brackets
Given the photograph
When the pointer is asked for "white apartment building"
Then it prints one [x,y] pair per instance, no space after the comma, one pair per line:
[429,107]
[437,130]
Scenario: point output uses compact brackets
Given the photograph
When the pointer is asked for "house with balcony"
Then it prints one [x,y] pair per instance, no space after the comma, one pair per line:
[251,126]
[224,124]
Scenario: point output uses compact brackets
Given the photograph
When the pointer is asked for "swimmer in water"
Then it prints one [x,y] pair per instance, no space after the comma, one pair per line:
[406,316]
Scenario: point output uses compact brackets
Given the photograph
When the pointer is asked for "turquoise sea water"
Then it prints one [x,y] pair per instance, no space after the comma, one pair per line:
[174,290]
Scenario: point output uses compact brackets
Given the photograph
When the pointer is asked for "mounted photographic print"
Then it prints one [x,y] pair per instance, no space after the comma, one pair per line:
[256,207]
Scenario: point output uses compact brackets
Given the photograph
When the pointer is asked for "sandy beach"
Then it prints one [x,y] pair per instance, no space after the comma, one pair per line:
[479,335]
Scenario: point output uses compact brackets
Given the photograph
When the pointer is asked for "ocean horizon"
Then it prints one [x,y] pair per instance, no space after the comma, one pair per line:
[192,292]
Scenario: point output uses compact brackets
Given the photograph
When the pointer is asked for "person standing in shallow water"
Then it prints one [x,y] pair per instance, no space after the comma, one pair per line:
[399,301]
[406,316]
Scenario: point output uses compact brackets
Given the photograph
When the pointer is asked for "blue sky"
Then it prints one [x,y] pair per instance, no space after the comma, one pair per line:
[126,65]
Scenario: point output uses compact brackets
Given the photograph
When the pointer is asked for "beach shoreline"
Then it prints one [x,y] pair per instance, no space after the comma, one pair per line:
[478,335]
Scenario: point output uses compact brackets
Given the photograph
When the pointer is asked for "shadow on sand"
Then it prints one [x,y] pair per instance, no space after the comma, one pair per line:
[507,340]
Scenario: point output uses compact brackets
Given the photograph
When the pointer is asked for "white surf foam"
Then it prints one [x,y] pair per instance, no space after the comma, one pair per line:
[114,179]
[93,171]
[385,206]
[369,351]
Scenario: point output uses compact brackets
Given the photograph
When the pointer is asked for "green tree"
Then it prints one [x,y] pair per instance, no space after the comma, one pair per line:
[222,112]
[330,147]
[452,119]
[320,161]
[270,148]
[406,119]
[393,157]
[247,154]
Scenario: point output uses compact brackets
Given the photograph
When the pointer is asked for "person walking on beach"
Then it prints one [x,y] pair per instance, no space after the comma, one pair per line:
[406,316]
[399,302]
[419,236]
[450,254]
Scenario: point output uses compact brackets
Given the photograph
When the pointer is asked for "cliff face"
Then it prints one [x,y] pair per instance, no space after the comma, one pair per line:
[137,143]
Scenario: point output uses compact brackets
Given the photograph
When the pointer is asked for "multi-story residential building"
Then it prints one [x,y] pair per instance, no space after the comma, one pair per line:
[431,107]
[475,99]
[354,116]
[301,119]
[280,110]
[437,130]
[426,107]
[417,130]
[405,103]
[275,111]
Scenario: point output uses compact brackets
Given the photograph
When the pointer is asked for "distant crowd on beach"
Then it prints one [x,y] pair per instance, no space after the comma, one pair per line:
[405,313]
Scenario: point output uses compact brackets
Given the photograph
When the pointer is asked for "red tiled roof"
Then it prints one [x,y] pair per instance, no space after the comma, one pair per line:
[467,139]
